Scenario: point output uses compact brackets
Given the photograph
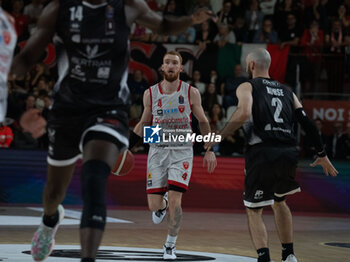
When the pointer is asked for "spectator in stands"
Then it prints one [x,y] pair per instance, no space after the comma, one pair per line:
[21,20]
[291,36]
[189,36]
[216,121]
[282,9]
[254,19]
[224,37]
[172,8]
[225,15]
[201,4]
[229,87]
[196,81]
[33,11]
[240,30]
[237,9]
[23,139]
[210,98]
[316,12]
[140,33]
[6,136]
[216,117]
[335,41]
[266,34]
[343,16]
[205,36]
[312,43]
[137,85]
[309,149]
[335,145]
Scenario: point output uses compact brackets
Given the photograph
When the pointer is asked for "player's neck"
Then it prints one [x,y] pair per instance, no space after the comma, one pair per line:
[169,87]
[261,74]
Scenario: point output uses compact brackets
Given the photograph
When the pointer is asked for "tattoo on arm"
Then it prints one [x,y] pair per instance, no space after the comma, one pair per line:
[174,222]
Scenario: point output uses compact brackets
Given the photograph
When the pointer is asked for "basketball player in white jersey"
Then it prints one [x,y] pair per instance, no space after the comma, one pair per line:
[8,39]
[169,166]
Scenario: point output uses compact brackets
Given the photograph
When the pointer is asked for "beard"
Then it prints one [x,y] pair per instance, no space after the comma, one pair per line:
[171,78]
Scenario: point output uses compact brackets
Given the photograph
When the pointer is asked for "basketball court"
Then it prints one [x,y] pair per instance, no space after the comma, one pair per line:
[205,236]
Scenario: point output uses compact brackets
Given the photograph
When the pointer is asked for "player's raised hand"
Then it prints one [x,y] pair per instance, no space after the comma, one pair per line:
[31,121]
[202,14]
[210,160]
[327,166]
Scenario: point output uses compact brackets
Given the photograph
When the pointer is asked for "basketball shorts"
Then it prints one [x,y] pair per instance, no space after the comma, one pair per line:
[168,168]
[269,173]
[68,132]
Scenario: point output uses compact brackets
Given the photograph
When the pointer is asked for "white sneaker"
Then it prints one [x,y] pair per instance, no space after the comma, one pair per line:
[158,216]
[44,238]
[169,253]
[290,258]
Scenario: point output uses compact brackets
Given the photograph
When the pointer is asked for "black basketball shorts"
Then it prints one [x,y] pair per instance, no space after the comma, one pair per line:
[269,172]
[69,131]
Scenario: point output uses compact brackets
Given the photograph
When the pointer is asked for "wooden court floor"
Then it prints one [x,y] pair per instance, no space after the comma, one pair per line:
[202,231]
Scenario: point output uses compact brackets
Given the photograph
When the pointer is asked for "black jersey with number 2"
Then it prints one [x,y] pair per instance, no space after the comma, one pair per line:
[272,119]
[92,53]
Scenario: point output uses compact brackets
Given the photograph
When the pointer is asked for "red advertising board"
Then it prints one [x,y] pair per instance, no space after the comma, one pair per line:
[328,111]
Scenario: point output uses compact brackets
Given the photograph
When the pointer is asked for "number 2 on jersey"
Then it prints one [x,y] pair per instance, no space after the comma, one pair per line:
[276,102]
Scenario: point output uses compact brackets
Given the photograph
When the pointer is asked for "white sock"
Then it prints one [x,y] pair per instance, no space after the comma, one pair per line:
[170,241]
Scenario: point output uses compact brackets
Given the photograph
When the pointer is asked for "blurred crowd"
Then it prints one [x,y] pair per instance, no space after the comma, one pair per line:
[313,28]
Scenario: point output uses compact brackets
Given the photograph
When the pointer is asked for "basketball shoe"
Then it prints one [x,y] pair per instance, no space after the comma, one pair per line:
[44,238]
[290,258]
[169,253]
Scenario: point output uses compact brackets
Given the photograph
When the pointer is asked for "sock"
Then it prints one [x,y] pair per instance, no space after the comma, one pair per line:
[264,254]
[170,241]
[87,260]
[50,221]
[287,249]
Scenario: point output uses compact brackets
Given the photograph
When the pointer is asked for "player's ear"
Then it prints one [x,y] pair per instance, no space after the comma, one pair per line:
[181,68]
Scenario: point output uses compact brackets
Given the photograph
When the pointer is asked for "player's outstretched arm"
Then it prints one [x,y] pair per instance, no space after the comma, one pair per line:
[138,10]
[146,119]
[311,130]
[37,43]
[197,110]
[242,113]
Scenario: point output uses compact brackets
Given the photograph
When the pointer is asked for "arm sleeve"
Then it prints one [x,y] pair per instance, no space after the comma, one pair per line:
[311,130]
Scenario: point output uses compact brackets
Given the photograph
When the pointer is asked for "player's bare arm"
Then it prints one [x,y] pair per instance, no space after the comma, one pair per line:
[243,112]
[37,43]
[310,128]
[204,126]
[138,11]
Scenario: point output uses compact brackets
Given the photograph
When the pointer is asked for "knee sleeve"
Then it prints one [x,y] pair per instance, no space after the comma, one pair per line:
[93,180]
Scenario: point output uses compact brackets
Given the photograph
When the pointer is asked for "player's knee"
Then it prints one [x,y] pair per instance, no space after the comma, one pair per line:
[174,202]
[94,178]
[280,202]
[256,211]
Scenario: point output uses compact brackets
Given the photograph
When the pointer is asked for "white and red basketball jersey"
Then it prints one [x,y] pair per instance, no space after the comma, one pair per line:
[8,39]
[172,112]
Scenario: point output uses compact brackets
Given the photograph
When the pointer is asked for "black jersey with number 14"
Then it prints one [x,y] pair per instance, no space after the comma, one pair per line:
[92,52]
[272,119]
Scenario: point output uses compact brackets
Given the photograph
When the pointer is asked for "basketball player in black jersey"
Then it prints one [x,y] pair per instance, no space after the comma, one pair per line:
[267,110]
[89,113]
